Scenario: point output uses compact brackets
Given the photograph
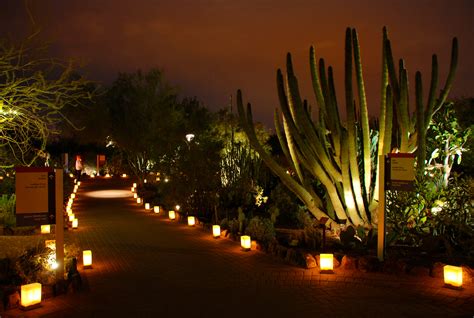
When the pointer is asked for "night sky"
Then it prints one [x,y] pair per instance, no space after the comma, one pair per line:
[210,48]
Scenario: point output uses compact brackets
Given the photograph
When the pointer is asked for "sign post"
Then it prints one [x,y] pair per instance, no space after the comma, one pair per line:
[59,225]
[396,172]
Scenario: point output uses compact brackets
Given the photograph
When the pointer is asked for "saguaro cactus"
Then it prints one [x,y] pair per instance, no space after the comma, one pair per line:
[337,153]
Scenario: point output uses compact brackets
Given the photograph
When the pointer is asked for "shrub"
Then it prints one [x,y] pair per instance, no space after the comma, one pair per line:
[261,229]
[7,209]
[433,211]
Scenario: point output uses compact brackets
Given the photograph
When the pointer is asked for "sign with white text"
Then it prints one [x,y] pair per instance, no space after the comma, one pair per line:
[401,172]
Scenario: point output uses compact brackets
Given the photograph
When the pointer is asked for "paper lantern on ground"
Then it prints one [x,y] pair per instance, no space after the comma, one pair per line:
[73,196]
[107,175]
[171,215]
[132,189]
[71,217]
[92,176]
[68,209]
[191,220]
[135,195]
[87,258]
[245,242]
[139,200]
[326,262]
[75,223]
[124,175]
[147,206]
[156,209]
[30,295]
[78,183]
[45,229]
[134,184]
[71,175]
[452,276]
[216,231]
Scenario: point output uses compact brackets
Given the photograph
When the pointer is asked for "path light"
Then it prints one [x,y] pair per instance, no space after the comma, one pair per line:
[245,242]
[78,183]
[71,217]
[326,263]
[87,258]
[71,175]
[216,231]
[191,220]
[75,189]
[139,200]
[134,184]
[171,215]
[124,175]
[45,229]
[73,196]
[452,276]
[133,189]
[68,209]
[75,223]
[92,176]
[147,206]
[30,296]
[156,209]
[135,195]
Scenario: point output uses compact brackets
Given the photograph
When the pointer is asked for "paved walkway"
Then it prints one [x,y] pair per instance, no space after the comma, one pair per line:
[148,266]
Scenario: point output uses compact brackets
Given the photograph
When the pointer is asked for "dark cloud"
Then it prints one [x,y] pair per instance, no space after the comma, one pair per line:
[210,48]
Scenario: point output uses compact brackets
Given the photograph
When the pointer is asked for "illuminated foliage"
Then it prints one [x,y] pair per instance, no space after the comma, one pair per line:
[34,91]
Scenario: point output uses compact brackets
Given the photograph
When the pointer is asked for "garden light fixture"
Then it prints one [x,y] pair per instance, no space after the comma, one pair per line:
[452,276]
[30,296]
[245,242]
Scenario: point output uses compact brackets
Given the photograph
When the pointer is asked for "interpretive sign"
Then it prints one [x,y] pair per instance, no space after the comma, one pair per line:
[401,172]
[35,196]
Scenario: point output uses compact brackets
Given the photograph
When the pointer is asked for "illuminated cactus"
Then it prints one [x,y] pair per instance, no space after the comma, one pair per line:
[336,153]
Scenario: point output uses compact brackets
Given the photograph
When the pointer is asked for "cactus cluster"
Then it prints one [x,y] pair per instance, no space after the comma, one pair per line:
[319,145]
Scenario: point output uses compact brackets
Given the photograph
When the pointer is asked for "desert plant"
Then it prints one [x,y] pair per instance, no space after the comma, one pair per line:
[261,229]
[325,150]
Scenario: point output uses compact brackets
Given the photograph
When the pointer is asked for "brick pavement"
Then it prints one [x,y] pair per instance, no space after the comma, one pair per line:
[147,266]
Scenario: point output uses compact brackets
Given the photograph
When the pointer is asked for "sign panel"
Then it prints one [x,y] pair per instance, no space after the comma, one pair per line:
[401,172]
[35,196]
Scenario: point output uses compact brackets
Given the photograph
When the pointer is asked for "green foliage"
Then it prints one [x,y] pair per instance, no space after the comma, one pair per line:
[433,211]
[260,229]
[144,119]
[7,185]
[7,210]
[446,141]
[465,117]
[284,209]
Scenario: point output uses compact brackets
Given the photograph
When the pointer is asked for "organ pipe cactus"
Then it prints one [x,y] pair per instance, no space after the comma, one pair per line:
[337,153]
